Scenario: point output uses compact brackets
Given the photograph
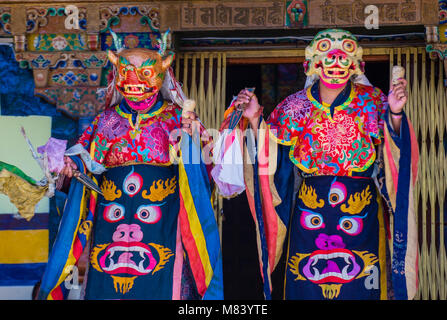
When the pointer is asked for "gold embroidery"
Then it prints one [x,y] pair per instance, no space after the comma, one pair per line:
[369,260]
[309,197]
[94,255]
[108,188]
[164,254]
[123,284]
[85,227]
[160,189]
[330,291]
[358,202]
[294,264]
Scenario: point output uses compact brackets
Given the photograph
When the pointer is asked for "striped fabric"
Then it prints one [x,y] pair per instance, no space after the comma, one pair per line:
[401,160]
[263,199]
[198,225]
[70,241]
[23,249]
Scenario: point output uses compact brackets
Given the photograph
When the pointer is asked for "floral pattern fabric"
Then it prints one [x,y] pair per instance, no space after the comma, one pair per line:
[322,144]
[115,139]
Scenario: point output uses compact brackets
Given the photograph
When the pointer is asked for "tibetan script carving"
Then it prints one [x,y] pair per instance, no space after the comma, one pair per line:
[231,15]
[352,12]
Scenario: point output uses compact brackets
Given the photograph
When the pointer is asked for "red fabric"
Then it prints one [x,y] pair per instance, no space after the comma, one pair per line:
[191,249]
[269,214]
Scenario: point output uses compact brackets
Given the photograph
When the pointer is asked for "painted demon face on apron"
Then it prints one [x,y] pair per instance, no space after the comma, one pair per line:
[134,235]
[334,249]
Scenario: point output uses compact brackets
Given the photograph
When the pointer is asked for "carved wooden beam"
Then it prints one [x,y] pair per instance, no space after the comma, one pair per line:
[66,48]
[64,51]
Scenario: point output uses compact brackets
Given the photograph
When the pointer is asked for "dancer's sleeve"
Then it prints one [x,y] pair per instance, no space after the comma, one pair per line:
[268,180]
[398,178]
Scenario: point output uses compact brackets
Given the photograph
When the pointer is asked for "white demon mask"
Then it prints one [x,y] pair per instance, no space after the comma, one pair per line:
[334,55]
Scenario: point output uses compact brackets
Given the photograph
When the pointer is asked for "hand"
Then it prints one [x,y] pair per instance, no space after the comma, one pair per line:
[69,167]
[189,121]
[251,111]
[398,96]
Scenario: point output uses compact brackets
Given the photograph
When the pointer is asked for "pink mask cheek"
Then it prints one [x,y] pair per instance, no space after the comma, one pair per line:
[142,105]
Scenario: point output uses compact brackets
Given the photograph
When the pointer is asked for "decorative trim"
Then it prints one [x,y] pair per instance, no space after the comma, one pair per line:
[76,77]
[343,13]
[290,41]
[442,12]
[130,40]
[296,14]
[37,17]
[5,21]
[442,33]
[67,60]
[57,42]
[110,16]
[437,50]
[209,15]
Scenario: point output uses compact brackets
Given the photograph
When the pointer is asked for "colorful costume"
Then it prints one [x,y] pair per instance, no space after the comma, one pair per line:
[154,234]
[320,175]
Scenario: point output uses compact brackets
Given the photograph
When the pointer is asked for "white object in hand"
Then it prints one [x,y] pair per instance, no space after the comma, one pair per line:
[188,105]
[398,72]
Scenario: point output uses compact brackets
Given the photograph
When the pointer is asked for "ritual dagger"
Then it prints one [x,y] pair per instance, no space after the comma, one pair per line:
[86,181]
[236,115]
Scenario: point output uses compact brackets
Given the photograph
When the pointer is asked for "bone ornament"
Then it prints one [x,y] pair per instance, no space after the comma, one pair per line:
[397,72]
[188,105]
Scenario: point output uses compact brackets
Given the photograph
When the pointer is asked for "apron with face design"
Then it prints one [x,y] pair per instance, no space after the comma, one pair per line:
[134,236]
[333,249]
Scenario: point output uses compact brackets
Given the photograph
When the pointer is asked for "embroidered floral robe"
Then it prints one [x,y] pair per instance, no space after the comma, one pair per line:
[340,161]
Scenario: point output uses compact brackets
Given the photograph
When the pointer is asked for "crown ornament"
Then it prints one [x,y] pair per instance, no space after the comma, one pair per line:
[162,42]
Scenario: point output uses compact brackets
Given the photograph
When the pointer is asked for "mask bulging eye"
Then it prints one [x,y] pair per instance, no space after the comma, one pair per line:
[148,214]
[311,220]
[114,212]
[323,45]
[351,225]
[132,183]
[349,46]
[337,193]
[148,73]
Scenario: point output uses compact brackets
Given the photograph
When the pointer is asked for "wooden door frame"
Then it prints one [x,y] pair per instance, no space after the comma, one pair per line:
[293,55]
